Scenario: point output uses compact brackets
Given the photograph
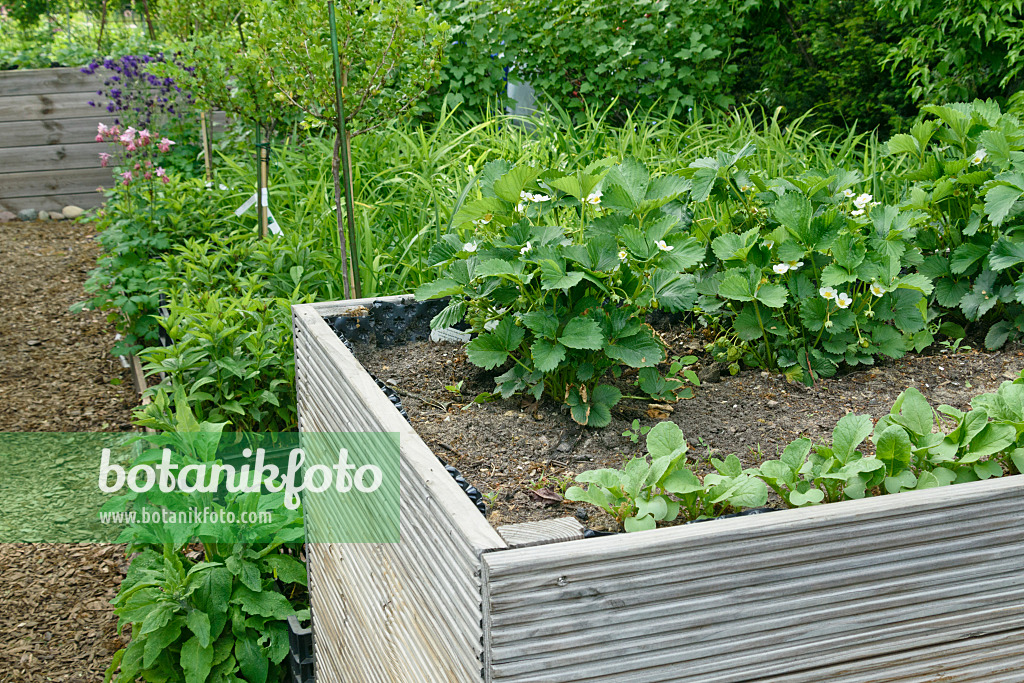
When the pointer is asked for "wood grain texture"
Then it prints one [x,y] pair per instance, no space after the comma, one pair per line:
[19,134]
[56,202]
[48,106]
[48,183]
[63,157]
[47,81]
[761,597]
[408,611]
[541,532]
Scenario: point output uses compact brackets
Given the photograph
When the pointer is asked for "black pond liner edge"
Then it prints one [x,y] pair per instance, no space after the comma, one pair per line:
[390,324]
[594,533]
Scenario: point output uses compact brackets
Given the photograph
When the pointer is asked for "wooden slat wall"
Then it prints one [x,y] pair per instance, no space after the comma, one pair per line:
[908,588]
[408,611]
[48,156]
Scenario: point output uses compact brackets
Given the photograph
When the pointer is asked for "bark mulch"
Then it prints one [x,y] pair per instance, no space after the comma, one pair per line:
[56,374]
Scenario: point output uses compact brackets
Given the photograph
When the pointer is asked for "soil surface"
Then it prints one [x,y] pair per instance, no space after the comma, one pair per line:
[56,374]
[522,456]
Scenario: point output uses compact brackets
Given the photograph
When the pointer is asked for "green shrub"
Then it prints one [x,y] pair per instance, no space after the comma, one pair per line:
[559,284]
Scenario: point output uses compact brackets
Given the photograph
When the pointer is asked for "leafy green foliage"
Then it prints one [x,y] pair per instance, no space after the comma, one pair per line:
[555,271]
[656,487]
[218,617]
[913,450]
[966,174]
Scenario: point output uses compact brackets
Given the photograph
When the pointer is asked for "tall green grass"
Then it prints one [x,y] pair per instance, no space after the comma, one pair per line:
[408,177]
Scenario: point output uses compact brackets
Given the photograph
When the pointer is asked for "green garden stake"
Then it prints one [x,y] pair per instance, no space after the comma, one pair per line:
[346,158]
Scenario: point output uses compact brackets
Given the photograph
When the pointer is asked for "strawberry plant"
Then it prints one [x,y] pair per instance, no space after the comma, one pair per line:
[554,272]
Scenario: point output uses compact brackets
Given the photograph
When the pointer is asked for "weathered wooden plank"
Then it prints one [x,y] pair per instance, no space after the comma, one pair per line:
[87,200]
[46,107]
[752,598]
[48,81]
[51,157]
[408,611]
[47,132]
[541,532]
[47,183]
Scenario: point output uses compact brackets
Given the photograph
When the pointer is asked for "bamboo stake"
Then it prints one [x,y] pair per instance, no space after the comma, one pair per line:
[207,147]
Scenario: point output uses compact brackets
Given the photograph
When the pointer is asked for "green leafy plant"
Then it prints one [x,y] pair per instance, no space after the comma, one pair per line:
[656,487]
[966,175]
[555,270]
[912,450]
[218,615]
[822,282]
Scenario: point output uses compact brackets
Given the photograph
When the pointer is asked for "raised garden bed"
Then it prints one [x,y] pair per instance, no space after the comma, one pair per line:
[906,587]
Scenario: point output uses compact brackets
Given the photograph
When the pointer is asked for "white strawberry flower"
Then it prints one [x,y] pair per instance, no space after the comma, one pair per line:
[862,200]
[622,255]
[594,198]
[483,220]
[848,193]
[828,292]
[768,244]
[527,248]
[469,246]
[520,207]
[664,247]
[857,212]
[877,289]
[979,156]
[794,265]
[780,268]
[844,300]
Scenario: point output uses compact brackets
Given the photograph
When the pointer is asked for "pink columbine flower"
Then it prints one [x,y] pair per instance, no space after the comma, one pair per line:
[165,145]
[160,172]
[104,159]
[145,137]
[128,137]
[99,137]
[147,175]
[127,177]
[165,179]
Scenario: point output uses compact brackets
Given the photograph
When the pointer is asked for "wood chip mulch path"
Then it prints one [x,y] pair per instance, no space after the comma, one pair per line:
[56,374]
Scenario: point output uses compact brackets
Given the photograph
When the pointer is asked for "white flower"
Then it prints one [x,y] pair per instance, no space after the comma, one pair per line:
[827,292]
[594,198]
[469,246]
[525,249]
[780,268]
[622,255]
[858,212]
[526,196]
[471,170]
[862,200]
[664,247]
[745,188]
[844,300]
[520,207]
[541,198]
[828,323]
[768,244]
[877,289]
[794,265]
[979,156]
[530,197]
[848,193]
[483,220]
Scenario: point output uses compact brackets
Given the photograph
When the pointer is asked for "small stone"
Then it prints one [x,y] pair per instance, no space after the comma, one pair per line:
[57,216]
[712,373]
[27,215]
[33,342]
[582,514]
[564,447]
[6,216]
[72,211]
[773,404]
[43,216]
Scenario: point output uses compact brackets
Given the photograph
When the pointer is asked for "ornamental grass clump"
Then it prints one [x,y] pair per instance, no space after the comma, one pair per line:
[554,272]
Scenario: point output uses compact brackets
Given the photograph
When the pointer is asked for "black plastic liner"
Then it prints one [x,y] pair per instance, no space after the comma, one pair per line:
[300,655]
[594,533]
[398,324]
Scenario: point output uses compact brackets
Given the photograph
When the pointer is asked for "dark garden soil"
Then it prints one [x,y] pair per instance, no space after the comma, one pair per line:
[56,374]
[522,456]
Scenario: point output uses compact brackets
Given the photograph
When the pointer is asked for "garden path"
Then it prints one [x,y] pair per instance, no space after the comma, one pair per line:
[56,374]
